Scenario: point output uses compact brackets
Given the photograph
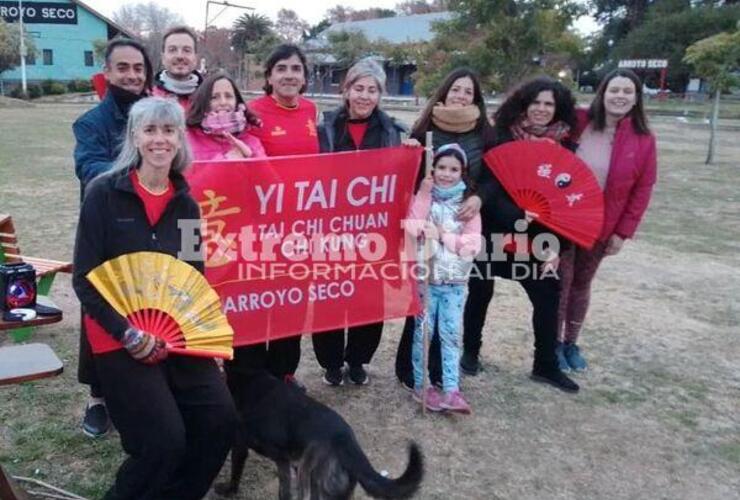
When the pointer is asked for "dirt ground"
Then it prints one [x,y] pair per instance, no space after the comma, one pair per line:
[657,417]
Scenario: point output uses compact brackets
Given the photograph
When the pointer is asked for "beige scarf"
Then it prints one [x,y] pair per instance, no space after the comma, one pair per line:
[457,119]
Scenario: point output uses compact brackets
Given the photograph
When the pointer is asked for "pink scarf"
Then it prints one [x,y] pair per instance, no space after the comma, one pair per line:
[222,122]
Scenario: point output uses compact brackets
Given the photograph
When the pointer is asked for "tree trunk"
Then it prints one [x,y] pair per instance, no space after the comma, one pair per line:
[713,127]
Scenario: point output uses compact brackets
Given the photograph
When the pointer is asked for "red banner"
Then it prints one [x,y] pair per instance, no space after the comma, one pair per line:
[311,243]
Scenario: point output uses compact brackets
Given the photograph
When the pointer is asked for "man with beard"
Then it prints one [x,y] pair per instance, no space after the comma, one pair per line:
[178,79]
[288,128]
[98,134]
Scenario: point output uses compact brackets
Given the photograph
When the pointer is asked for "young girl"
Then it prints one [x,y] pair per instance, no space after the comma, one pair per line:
[454,244]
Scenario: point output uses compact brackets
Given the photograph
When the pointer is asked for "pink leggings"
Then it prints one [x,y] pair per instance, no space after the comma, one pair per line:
[577,270]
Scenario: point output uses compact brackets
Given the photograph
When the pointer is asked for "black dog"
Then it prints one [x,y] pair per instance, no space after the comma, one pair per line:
[282,423]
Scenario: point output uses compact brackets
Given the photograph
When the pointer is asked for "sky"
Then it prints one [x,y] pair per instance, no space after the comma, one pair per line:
[194,11]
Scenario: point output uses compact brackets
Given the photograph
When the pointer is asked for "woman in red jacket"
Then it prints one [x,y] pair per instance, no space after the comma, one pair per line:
[617,144]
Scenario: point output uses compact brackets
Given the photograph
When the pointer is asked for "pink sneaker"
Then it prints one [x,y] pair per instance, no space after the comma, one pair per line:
[455,402]
[433,399]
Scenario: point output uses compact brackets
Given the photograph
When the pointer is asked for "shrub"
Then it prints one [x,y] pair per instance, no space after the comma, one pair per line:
[84,86]
[56,88]
[35,91]
[46,86]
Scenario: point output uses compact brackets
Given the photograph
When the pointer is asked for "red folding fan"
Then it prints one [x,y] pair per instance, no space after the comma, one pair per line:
[552,183]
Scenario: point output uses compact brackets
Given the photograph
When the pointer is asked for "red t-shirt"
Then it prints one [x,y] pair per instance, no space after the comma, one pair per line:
[286,131]
[357,131]
[154,205]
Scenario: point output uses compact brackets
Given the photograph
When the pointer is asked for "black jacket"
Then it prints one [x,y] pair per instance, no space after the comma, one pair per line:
[382,132]
[113,222]
[98,135]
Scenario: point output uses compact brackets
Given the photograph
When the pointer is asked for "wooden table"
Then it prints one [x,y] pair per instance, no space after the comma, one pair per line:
[37,321]
[20,331]
[21,363]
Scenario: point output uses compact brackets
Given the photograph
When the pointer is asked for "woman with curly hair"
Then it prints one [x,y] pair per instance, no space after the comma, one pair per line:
[541,109]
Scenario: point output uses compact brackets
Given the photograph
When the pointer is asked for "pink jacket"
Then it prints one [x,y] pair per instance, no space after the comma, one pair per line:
[214,147]
[632,175]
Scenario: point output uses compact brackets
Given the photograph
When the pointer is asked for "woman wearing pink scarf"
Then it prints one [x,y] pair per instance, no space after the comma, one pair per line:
[219,122]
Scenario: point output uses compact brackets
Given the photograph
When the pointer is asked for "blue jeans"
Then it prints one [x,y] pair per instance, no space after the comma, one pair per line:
[445,308]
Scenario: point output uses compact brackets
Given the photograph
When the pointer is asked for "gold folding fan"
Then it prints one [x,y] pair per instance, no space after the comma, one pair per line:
[168,298]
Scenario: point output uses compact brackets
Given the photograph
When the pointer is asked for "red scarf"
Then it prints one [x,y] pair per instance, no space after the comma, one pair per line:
[525,129]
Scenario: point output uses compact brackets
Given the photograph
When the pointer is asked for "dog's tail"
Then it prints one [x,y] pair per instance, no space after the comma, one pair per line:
[376,485]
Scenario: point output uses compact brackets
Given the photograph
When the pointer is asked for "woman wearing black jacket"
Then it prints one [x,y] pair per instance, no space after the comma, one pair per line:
[358,124]
[175,415]
[541,109]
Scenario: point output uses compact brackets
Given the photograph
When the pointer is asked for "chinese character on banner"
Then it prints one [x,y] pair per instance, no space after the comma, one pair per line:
[217,246]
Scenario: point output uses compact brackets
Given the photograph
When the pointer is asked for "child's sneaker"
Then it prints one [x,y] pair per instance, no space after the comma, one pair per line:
[455,402]
[433,399]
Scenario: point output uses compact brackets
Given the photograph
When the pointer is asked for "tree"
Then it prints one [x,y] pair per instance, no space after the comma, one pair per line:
[627,13]
[289,26]
[10,46]
[667,33]
[248,30]
[504,40]
[149,21]
[314,30]
[715,58]
[342,14]
[349,46]
[339,14]
[218,52]
[411,7]
[99,46]
[372,13]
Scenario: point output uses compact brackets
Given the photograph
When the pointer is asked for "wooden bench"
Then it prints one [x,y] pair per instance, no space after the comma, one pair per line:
[46,269]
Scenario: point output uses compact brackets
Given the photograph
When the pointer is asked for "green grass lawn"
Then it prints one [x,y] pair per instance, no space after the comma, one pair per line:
[657,417]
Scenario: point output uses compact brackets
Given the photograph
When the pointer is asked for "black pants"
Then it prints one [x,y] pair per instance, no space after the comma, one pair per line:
[281,358]
[176,421]
[543,293]
[86,373]
[404,364]
[362,342]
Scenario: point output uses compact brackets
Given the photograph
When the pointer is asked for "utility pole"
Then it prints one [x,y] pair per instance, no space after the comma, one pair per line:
[226,5]
[24,84]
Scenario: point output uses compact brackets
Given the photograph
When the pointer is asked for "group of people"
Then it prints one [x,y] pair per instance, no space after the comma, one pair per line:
[174,415]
